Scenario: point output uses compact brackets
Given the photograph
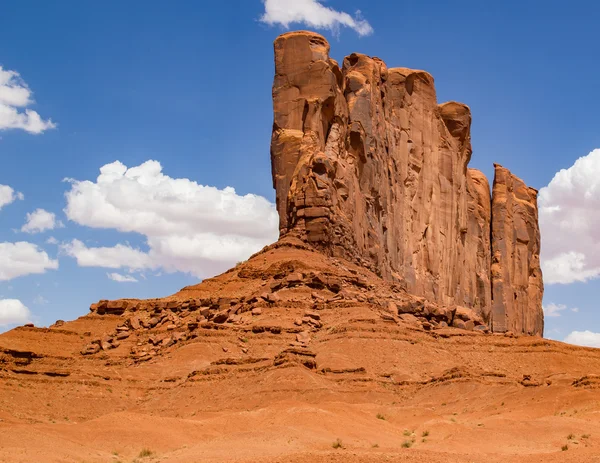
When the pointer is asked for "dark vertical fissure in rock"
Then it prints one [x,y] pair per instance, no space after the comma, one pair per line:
[491,323]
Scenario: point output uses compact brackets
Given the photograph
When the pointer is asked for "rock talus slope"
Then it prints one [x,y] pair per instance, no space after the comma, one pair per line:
[369,167]
[292,356]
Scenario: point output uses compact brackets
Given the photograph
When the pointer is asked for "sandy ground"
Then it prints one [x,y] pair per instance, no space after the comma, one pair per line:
[380,390]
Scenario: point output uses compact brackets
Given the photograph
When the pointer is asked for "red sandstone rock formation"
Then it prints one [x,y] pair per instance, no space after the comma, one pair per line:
[516,275]
[368,167]
[477,271]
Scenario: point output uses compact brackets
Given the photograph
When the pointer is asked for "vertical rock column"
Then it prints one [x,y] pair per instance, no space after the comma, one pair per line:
[307,99]
[517,286]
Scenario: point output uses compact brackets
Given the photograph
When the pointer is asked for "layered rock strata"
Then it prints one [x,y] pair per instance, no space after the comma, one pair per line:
[368,167]
[287,289]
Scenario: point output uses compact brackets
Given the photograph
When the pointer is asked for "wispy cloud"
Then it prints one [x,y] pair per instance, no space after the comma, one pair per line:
[40,300]
[554,310]
[121,278]
[314,14]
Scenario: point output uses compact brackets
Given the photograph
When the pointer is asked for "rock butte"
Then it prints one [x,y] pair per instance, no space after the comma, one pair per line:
[367,166]
[367,324]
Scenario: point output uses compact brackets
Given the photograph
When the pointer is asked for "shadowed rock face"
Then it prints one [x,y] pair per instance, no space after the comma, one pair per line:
[368,167]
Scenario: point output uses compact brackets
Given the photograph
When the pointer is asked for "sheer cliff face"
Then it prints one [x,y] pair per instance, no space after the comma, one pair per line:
[367,166]
[516,275]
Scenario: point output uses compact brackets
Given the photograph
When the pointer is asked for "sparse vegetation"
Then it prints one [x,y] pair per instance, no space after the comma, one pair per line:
[407,444]
[375,446]
[145,452]
[585,436]
[571,436]
[425,434]
[407,432]
[564,448]
[380,416]
[337,444]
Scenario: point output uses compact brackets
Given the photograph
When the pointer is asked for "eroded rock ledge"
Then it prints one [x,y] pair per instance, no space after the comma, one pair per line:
[367,166]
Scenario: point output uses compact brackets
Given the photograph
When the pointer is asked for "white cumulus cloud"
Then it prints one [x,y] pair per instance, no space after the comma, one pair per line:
[188,227]
[312,13]
[23,258]
[8,195]
[15,96]
[569,213]
[13,311]
[584,338]
[121,278]
[39,221]
[117,256]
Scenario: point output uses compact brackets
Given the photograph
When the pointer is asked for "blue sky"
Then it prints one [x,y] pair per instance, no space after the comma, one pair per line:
[189,86]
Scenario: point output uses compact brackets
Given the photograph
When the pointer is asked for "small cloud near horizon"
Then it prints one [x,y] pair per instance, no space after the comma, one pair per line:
[583,338]
[13,311]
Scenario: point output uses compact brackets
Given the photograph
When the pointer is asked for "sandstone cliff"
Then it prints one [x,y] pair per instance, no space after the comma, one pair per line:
[368,167]
[517,284]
